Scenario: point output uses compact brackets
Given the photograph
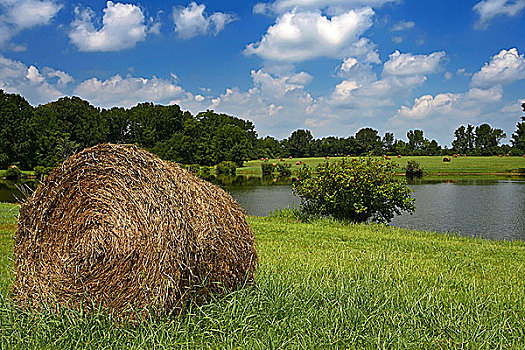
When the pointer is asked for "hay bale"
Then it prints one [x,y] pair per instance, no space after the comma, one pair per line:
[446,159]
[117,227]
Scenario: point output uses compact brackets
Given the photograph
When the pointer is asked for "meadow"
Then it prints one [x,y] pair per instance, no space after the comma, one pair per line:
[320,285]
[432,165]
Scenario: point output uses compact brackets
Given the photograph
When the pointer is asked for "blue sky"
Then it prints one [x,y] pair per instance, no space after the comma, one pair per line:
[330,66]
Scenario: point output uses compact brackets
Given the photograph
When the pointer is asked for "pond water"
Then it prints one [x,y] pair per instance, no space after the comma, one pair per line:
[493,209]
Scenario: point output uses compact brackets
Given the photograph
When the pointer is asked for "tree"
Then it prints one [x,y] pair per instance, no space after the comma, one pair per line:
[388,143]
[16,145]
[368,139]
[363,189]
[299,143]
[487,139]
[416,141]
[518,138]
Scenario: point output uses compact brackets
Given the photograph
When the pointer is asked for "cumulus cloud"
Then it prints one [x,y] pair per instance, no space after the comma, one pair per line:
[192,21]
[301,36]
[506,67]
[330,6]
[23,14]
[488,9]
[123,26]
[408,64]
[37,87]
[442,113]
[128,91]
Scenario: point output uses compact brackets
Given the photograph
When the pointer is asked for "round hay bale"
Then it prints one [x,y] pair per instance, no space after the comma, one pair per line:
[117,227]
[446,159]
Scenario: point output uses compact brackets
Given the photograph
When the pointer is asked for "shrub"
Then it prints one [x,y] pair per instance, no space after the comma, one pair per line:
[267,168]
[41,171]
[361,190]
[194,169]
[226,168]
[413,169]
[284,169]
[13,173]
[205,172]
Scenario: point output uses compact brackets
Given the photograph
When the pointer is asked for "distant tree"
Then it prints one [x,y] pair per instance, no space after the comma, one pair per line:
[388,142]
[488,139]
[299,143]
[368,139]
[416,141]
[460,143]
[16,141]
[518,138]
[268,147]
[464,139]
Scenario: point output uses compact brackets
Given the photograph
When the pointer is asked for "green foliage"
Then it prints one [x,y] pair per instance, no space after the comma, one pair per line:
[41,171]
[284,169]
[267,168]
[13,173]
[360,190]
[299,143]
[226,168]
[413,169]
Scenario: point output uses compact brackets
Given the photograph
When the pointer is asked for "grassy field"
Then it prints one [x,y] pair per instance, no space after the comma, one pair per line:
[320,285]
[431,165]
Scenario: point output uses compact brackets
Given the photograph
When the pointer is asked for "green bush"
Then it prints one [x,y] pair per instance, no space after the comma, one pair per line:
[267,168]
[284,169]
[13,173]
[413,169]
[194,169]
[360,190]
[41,171]
[226,168]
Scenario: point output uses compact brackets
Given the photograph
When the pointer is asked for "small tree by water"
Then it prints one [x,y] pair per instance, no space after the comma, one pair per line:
[359,190]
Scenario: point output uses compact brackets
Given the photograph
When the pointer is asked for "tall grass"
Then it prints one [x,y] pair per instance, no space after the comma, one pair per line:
[321,284]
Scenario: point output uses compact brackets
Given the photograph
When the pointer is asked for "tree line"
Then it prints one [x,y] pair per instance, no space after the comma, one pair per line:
[43,136]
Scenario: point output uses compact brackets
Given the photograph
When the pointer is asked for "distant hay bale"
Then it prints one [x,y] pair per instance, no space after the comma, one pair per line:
[117,227]
[446,159]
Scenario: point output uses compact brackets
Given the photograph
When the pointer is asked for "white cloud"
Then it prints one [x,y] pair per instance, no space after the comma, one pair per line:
[331,6]
[301,36]
[192,21]
[443,113]
[348,64]
[408,64]
[28,81]
[123,26]
[488,9]
[24,14]
[128,91]
[504,68]
[402,25]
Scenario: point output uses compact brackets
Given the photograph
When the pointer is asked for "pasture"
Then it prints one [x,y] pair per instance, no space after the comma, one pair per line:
[320,285]
[433,165]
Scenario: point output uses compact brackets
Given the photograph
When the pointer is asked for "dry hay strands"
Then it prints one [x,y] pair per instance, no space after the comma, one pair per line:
[118,228]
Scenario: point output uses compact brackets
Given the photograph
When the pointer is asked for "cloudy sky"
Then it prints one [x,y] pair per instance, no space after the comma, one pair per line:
[331,66]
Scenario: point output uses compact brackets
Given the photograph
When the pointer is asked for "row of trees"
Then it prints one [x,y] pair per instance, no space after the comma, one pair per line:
[45,135]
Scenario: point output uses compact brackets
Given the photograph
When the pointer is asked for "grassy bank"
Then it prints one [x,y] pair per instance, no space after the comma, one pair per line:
[431,165]
[319,285]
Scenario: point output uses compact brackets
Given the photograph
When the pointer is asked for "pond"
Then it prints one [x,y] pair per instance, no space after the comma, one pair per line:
[493,209]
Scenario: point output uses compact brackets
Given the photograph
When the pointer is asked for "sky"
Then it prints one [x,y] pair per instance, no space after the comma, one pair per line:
[329,66]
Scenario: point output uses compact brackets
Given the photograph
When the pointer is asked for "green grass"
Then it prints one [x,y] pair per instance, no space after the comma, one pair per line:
[431,165]
[320,285]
